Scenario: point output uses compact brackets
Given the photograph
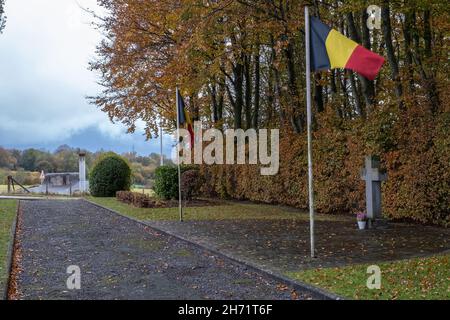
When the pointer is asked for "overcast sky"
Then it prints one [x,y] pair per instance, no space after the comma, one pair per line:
[44,55]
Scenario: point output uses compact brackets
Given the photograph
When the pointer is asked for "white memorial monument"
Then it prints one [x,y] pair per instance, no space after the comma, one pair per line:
[82,172]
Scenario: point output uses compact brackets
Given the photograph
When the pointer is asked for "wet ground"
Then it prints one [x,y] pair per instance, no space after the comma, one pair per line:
[122,259]
[283,245]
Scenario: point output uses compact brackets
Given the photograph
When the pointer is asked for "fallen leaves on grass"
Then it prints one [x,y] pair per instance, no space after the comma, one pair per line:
[420,278]
[16,269]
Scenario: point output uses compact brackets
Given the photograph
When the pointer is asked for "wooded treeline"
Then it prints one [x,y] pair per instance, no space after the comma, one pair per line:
[26,165]
[241,64]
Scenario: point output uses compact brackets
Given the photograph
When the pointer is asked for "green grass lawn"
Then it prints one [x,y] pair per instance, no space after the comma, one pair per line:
[420,278]
[225,210]
[7,216]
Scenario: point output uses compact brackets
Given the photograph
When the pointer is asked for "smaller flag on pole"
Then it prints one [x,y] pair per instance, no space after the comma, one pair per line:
[183,117]
[330,50]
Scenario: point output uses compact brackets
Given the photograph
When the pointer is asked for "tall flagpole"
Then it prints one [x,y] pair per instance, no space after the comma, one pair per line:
[180,207]
[309,118]
[161,142]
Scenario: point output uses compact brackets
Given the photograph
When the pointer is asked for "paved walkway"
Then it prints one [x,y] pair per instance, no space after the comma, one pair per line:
[121,259]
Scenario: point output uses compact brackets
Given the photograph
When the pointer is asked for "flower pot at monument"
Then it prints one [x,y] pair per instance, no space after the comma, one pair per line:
[361,225]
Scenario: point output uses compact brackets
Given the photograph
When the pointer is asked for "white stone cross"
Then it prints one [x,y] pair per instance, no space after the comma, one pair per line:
[373,177]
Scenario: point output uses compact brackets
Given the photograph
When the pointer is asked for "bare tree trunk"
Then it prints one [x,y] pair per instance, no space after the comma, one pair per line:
[214,103]
[248,91]
[355,93]
[408,54]
[430,83]
[318,88]
[239,74]
[270,97]
[367,86]
[318,93]
[216,91]
[221,99]
[343,83]
[277,78]
[296,114]
[427,33]
[257,86]
[387,34]
[333,87]
[238,100]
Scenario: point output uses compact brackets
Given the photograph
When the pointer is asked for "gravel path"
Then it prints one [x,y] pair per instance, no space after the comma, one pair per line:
[121,259]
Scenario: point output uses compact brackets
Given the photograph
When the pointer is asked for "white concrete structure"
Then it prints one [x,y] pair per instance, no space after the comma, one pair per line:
[82,172]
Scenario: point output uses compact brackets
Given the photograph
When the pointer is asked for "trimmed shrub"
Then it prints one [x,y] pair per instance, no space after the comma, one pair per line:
[110,173]
[136,199]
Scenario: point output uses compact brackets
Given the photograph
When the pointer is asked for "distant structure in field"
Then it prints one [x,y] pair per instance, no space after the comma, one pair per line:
[65,183]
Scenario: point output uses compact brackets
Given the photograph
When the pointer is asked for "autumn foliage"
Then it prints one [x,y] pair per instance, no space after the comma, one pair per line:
[417,188]
[240,64]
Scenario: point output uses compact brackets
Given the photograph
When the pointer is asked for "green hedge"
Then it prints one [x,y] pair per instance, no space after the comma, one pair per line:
[416,156]
[110,173]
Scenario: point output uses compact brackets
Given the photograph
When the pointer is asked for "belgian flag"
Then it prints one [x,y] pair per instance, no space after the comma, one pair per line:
[330,49]
[183,117]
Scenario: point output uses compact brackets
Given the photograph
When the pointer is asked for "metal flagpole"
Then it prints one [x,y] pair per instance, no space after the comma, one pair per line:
[309,118]
[161,141]
[178,157]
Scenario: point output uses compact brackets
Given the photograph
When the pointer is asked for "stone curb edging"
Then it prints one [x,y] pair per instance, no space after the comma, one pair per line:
[10,254]
[25,198]
[317,293]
